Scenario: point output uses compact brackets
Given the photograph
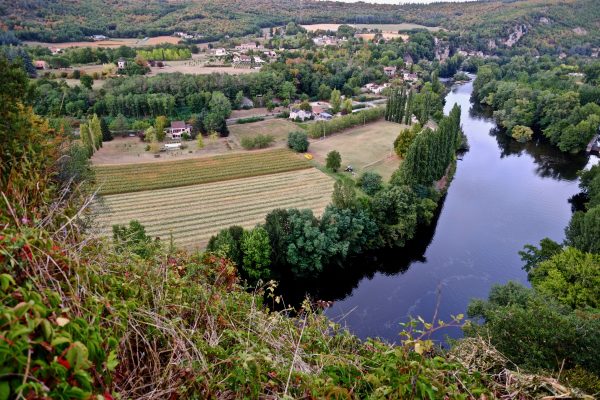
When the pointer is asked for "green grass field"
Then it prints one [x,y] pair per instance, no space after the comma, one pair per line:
[112,179]
[367,148]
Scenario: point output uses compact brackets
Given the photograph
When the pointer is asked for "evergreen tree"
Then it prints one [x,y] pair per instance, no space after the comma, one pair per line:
[106,134]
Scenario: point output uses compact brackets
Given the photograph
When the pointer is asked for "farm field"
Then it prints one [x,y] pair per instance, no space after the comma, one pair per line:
[365,148]
[277,127]
[112,42]
[185,67]
[113,179]
[253,112]
[192,214]
[131,150]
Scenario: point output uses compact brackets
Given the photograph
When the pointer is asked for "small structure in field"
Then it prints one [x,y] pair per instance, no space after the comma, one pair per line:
[98,38]
[220,52]
[121,63]
[171,146]
[40,64]
[178,129]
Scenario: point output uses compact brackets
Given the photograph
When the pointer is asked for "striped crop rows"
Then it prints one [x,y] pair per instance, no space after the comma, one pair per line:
[192,214]
[116,179]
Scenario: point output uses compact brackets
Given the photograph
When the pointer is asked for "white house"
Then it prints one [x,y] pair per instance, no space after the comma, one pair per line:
[178,129]
[296,113]
[258,60]
[220,52]
[375,88]
[121,63]
[389,71]
[184,35]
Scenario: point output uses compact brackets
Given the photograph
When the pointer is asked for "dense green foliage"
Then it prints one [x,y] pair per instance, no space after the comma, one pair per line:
[405,139]
[584,228]
[333,161]
[370,182]
[544,95]
[298,141]
[535,331]
[257,142]
[166,53]
[431,152]
[397,106]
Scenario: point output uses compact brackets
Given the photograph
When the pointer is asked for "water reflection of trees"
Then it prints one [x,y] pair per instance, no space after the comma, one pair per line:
[550,161]
[338,281]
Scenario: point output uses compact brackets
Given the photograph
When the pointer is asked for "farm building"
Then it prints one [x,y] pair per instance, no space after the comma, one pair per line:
[178,129]
[121,63]
[220,52]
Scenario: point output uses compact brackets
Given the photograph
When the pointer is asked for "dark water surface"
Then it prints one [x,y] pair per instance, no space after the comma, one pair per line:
[504,195]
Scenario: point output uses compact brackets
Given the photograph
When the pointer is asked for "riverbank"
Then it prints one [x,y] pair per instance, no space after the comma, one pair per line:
[504,194]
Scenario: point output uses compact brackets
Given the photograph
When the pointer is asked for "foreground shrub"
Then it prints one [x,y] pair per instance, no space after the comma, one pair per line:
[298,141]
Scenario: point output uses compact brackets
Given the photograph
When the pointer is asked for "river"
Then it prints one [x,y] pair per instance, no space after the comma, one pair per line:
[503,196]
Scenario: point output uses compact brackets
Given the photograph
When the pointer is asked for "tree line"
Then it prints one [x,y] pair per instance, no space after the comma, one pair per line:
[295,244]
[562,101]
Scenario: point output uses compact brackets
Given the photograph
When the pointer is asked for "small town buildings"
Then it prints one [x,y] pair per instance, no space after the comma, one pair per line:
[258,61]
[389,71]
[244,47]
[121,63]
[220,52]
[242,60]
[183,35]
[327,40]
[270,55]
[320,114]
[298,114]
[410,77]
[40,64]
[375,88]
[178,129]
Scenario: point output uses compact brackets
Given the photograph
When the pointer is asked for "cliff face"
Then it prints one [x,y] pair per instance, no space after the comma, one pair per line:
[517,32]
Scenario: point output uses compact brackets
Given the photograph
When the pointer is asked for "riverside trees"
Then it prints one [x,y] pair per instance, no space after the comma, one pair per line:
[304,246]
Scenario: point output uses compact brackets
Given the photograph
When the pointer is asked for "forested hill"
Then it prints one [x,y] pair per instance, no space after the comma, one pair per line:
[549,25]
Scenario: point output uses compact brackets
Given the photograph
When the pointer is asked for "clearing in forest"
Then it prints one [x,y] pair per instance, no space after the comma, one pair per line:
[192,214]
[112,179]
[367,147]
